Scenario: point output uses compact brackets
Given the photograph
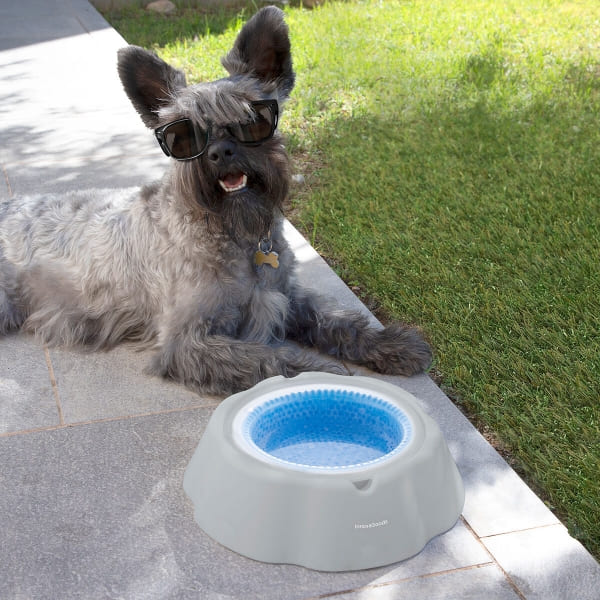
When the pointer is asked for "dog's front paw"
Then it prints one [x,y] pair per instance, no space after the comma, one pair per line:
[295,362]
[399,350]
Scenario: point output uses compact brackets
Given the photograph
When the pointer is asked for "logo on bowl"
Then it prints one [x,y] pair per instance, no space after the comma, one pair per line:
[371,525]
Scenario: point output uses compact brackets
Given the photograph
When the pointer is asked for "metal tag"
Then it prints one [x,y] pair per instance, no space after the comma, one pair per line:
[269,258]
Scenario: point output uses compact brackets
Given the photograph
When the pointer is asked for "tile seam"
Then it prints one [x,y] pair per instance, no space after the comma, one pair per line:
[54,385]
[209,405]
[383,584]
[507,577]
[532,528]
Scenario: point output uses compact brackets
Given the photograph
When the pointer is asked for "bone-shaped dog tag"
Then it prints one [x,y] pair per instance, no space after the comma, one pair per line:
[269,258]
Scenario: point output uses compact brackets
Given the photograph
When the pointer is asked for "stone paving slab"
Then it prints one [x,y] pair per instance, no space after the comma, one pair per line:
[30,22]
[478,583]
[85,396]
[546,562]
[98,511]
[93,450]
[27,398]
[66,121]
[91,172]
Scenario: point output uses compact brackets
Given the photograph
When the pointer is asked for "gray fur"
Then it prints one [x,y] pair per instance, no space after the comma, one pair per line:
[171,266]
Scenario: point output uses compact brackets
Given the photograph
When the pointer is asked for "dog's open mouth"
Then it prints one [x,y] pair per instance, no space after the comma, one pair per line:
[234,182]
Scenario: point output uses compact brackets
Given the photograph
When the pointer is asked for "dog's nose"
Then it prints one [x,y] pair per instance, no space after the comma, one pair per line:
[221,152]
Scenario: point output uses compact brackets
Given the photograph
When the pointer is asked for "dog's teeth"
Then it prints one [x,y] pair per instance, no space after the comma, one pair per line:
[235,188]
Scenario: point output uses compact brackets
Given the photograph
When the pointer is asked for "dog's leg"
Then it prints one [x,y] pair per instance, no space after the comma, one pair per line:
[395,350]
[218,364]
[11,316]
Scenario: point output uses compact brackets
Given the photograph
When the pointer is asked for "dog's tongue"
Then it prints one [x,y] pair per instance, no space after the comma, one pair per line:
[233,182]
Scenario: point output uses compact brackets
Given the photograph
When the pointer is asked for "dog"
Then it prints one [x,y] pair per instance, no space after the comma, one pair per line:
[194,266]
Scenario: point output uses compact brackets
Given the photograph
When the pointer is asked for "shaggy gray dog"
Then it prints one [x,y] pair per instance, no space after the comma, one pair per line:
[195,265]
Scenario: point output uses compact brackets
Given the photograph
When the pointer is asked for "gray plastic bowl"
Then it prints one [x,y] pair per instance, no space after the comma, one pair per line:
[329,472]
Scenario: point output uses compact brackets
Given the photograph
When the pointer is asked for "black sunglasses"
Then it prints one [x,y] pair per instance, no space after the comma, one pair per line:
[184,140]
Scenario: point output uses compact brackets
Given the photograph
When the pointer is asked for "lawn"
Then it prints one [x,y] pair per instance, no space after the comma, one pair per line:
[451,153]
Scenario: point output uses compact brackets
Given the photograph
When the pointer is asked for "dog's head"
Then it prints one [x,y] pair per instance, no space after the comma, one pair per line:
[229,159]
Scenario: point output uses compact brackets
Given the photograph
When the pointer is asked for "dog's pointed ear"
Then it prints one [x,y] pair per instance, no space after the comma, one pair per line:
[262,49]
[148,81]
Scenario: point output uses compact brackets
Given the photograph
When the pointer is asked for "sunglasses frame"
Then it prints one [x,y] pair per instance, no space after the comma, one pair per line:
[271,104]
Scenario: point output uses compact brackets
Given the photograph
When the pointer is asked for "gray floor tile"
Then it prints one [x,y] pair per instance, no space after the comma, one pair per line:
[497,499]
[41,8]
[547,563]
[484,583]
[54,20]
[51,133]
[89,17]
[25,32]
[98,511]
[75,140]
[26,397]
[101,385]
[63,100]
[74,128]
[454,549]
[85,173]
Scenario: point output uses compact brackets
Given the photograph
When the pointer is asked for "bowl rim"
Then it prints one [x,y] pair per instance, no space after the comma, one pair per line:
[248,446]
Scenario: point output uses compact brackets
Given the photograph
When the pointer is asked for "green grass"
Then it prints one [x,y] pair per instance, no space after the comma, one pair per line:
[452,154]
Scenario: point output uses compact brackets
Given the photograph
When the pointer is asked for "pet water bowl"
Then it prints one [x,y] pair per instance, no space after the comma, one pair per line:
[329,472]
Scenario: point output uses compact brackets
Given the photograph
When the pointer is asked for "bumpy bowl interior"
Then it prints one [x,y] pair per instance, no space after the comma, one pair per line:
[327,428]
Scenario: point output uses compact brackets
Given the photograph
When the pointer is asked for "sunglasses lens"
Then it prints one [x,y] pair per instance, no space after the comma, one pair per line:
[183,140]
[260,129]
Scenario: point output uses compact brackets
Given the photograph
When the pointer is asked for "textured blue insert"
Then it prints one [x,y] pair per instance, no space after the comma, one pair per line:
[329,428]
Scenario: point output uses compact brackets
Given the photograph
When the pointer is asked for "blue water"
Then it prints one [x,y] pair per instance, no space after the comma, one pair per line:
[327,428]
[327,454]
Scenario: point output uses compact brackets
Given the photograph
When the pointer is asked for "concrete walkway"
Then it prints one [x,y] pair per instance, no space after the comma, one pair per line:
[92,451]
